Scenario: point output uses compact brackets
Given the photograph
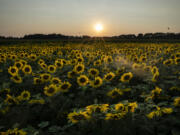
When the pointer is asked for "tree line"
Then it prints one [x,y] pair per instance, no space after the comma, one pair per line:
[127,36]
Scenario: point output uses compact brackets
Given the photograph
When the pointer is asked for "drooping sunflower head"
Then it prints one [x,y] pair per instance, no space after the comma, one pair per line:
[27,69]
[82,80]
[109,76]
[10,100]
[126,77]
[177,102]
[115,93]
[168,62]
[16,79]
[76,117]
[79,68]
[119,107]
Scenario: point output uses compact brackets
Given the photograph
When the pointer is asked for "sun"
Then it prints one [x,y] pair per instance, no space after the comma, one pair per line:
[98,27]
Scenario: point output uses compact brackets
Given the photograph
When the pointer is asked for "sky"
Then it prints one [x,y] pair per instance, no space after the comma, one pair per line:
[78,17]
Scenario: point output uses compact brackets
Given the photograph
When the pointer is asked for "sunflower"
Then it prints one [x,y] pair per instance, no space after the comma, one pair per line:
[109,76]
[59,64]
[36,101]
[155,77]
[97,108]
[50,90]
[97,63]
[79,68]
[13,70]
[80,59]
[126,77]
[115,93]
[177,102]
[75,117]
[167,110]
[97,82]
[156,92]
[82,80]
[114,116]
[25,95]
[18,64]
[16,79]
[37,80]
[64,87]
[51,69]
[147,68]
[33,57]
[119,107]
[93,72]
[27,69]
[40,61]
[132,106]
[71,74]
[177,61]
[43,66]
[168,62]
[108,59]
[45,77]
[154,70]
[73,61]
[120,70]
[56,80]
[10,100]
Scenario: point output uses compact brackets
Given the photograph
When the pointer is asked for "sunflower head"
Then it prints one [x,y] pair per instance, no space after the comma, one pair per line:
[64,87]
[76,117]
[18,64]
[16,79]
[51,69]
[82,80]
[37,80]
[126,77]
[168,62]
[93,72]
[109,76]
[27,69]
[50,90]
[13,70]
[79,68]
[56,80]
[97,82]
[25,95]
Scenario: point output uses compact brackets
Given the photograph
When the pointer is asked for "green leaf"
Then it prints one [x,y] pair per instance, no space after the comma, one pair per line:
[43,124]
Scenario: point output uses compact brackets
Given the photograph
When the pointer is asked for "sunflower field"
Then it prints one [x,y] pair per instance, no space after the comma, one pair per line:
[96,89]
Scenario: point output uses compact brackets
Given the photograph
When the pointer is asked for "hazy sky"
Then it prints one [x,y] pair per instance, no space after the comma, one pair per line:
[77,17]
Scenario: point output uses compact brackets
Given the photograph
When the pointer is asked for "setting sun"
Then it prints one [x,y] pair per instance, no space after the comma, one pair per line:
[98,27]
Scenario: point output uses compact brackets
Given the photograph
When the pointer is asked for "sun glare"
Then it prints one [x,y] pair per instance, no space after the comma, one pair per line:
[98,27]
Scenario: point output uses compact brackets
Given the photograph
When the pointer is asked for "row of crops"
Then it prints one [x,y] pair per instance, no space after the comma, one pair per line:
[131,89]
